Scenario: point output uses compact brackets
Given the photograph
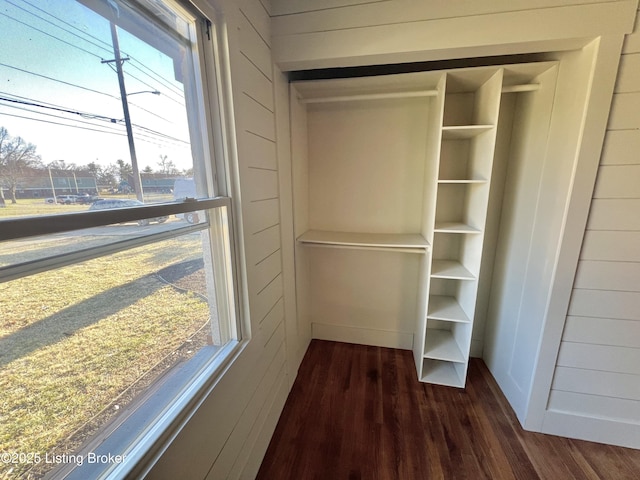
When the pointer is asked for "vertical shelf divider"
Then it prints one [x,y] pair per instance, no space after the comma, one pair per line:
[433,139]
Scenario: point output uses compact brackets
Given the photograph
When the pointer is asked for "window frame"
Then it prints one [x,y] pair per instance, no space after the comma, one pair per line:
[211,88]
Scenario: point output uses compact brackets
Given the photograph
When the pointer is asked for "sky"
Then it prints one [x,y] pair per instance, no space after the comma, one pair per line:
[56,92]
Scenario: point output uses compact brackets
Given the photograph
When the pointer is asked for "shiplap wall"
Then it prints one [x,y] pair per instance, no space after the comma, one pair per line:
[598,367]
[230,431]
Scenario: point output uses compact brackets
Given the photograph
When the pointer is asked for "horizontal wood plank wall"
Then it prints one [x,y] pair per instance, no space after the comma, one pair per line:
[308,34]
[255,130]
[598,368]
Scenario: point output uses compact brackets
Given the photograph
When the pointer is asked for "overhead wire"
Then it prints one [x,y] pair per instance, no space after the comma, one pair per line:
[148,133]
[30,102]
[107,47]
[50,35]
[58,80]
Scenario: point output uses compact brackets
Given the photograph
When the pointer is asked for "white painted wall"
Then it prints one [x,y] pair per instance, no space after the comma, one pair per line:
[597,377]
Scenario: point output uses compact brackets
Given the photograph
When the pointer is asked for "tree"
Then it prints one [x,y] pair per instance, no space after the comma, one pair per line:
[16,155]
[167,166]
[62,165]
[124,170]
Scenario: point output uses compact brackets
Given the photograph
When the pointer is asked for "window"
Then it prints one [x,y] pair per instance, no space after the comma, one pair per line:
[117,278]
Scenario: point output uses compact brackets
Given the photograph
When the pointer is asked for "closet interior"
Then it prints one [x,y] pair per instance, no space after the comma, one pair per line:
[402,188]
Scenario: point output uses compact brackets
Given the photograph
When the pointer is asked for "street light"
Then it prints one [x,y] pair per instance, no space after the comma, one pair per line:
[153,92]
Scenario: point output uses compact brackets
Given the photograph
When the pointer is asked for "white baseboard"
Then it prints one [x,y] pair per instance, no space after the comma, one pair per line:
[363,336]
[600,430]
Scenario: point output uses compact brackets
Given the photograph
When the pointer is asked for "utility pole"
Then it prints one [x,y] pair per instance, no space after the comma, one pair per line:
[137,182]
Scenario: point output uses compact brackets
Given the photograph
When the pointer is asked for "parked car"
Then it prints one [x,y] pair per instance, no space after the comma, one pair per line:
[123,203]
[67,199]
[86,199]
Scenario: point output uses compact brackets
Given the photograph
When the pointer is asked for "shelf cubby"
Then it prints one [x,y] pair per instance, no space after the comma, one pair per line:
[450,269]
[441,344]
[441,372]
[444,307]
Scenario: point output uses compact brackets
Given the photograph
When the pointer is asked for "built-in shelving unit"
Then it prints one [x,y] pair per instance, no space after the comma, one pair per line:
[387,166]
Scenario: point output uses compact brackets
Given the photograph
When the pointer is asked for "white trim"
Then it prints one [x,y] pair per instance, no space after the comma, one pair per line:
[593,130]
[592,429]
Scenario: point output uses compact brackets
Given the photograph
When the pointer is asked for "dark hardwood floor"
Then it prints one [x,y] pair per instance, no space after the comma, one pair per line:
[358,412]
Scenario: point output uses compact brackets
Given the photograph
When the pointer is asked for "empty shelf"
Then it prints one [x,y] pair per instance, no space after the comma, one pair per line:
[441,373]
[450,269]
[454,227]
[447,308]
[463,181]
[440,345]
[459,132]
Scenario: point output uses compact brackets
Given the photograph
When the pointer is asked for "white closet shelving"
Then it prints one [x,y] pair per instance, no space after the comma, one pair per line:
[391,177]
[462,185]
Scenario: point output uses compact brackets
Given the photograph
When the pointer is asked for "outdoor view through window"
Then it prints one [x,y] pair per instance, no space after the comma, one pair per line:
[99,115]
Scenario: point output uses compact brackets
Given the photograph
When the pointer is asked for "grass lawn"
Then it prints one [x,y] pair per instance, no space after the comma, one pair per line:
[38,206]
[74,340]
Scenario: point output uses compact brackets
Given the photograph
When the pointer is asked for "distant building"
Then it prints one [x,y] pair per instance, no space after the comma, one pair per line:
[156,182]
[39,183]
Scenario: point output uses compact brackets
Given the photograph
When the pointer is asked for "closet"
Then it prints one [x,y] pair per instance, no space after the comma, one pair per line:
[399,187]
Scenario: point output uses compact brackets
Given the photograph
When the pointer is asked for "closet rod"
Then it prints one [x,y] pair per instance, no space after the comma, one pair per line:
[371,96]
[527,87]
[418,250]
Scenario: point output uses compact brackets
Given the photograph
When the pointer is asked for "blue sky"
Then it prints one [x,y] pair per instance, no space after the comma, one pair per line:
[50,54]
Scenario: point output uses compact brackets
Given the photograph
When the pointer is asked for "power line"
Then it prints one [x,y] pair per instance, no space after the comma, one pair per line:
[65,110]
[108,47]
[50,35]
[105,127]
[62,124]
[34,103]
[58,26]
[164,135]
[79,48]
[58,80]
[140,136]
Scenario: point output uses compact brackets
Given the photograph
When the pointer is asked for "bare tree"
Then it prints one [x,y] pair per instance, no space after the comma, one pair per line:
[16,155]
[167,166]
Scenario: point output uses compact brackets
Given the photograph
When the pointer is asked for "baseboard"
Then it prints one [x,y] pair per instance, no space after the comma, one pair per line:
[362,336]
[600,430]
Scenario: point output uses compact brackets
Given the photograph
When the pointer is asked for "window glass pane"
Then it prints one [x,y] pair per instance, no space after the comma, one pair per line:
[101,108]
[97,101]
[79,344]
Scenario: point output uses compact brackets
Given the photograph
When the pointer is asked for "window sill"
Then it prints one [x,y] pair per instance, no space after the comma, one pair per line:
[150,421]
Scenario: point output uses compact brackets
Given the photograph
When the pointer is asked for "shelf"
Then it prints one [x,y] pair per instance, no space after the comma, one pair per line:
[454,227]
[440,373]
[387,241]
[460,132]
[463,181]
[440,345]
[446,308]
[450,269]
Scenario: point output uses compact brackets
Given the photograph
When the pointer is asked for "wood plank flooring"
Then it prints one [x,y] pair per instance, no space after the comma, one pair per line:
[358,412]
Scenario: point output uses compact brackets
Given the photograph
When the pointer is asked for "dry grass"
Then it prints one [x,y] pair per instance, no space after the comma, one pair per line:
[72,340]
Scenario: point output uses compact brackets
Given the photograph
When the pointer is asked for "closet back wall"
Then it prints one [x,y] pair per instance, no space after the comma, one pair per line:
[365,175]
